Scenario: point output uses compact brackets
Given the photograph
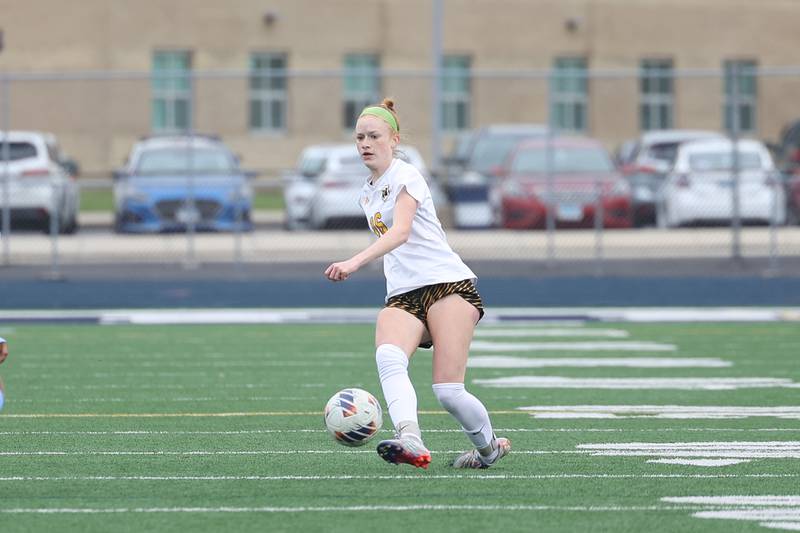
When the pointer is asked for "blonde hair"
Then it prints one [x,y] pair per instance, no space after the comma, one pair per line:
[388,104]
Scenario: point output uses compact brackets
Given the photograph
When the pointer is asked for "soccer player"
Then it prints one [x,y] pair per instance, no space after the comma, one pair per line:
[3,355]
[431,298]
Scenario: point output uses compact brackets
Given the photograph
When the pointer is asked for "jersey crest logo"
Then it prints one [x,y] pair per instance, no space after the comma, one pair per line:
[385,193]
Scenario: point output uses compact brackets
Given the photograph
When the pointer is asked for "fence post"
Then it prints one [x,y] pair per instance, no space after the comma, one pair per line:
[599,218]
[55,226]
[777,188]
[5,231]
[736,223]
[550,223]
[436,85]
[191,208]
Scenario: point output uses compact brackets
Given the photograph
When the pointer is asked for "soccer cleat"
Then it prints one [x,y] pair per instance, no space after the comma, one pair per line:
[408,449]
[473,459]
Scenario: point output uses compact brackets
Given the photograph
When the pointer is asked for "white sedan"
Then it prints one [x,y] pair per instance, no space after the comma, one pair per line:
[323,190]
[40,187]
[701,186]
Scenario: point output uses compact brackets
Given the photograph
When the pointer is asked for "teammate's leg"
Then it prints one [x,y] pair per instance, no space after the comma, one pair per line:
[397,335]
[451,322]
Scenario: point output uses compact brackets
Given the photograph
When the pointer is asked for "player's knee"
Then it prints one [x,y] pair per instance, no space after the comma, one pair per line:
[449,394]
[391,361]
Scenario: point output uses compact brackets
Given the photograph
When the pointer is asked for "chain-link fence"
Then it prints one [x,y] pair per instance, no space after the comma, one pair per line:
[555,165]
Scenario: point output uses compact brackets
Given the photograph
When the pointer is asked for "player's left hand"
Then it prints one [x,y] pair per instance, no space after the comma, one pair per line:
[3,351]
[341,271]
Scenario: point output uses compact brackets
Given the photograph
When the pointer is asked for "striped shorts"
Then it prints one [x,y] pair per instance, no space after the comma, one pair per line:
[418,301]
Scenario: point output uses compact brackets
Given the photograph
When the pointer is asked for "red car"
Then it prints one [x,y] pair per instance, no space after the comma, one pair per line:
[582,178]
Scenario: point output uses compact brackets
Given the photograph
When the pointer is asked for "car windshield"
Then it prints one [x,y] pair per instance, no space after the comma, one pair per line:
[663,151]
[180,160]
[351,164]
[491,150]
[312,165]
[711,161]
[564,159]
[17,151]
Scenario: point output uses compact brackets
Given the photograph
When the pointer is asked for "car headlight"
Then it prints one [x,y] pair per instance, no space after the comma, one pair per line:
[241,193]
[472,178]
[621,188]
[513,188]
[129,193]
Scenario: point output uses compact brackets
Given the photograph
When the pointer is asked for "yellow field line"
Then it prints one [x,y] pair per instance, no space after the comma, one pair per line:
[178,415]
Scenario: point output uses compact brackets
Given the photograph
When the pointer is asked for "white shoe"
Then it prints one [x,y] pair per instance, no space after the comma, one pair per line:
[409,450]
[473,458]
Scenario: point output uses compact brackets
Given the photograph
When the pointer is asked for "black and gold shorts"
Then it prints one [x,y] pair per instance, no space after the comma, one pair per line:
[418,301]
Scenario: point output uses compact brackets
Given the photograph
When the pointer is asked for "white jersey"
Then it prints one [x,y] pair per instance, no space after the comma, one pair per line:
[426,258]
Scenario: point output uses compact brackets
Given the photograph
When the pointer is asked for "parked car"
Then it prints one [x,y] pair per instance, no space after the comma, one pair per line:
[787,158]
[578,178]
[171,183]
[472,168]
[41,184]
[647,162]
[699,189]
[323,191]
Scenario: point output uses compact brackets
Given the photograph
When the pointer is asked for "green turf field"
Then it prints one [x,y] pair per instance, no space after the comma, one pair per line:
[219,428]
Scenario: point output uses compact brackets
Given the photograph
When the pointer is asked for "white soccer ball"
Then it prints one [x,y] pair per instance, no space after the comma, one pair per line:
[353,416]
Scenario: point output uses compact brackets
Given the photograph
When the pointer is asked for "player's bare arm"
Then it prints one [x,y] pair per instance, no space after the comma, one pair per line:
[404,210]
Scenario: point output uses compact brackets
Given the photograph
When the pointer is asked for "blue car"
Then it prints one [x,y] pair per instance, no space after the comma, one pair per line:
[180,183]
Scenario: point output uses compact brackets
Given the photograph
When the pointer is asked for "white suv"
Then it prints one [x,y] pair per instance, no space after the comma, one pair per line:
[39,184]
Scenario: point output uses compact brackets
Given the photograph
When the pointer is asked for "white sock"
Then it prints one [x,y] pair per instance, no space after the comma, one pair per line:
[468,410]
[398,392]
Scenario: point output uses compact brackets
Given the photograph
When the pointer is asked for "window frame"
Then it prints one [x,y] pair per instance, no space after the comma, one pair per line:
[569,99]
[656,107]
[366,71]
[273,101]
[171,88]
[747,99]
[456,93]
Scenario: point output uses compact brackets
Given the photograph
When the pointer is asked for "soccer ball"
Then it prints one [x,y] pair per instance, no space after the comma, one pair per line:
[353,416]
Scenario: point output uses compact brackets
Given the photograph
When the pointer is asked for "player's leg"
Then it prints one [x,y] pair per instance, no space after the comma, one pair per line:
[451,322]
[397,335]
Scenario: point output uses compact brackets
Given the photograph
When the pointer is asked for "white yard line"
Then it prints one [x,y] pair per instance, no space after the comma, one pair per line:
[558,382]
[551,332]
[774,512]
[661,411]
[508,361]
[422,478]
[630,346]
[388,431]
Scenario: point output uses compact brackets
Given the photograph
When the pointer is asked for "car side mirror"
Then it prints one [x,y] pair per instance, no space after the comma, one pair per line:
[118,174]
[71,166]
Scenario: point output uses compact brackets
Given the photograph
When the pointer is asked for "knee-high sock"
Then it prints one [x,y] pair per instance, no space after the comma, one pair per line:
[401,399]
[468,410]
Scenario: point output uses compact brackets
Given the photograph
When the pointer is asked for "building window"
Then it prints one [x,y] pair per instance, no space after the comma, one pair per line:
[743,74]
[172,90]
[656,94]
[569,97]
[362,86]
[267,92]
[455,93]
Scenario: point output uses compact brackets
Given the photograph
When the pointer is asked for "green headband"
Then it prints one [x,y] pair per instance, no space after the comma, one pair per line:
[381,113]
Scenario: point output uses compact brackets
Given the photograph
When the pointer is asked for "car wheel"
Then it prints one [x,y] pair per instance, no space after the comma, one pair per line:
[70,227]
[792,217]
[661,215]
